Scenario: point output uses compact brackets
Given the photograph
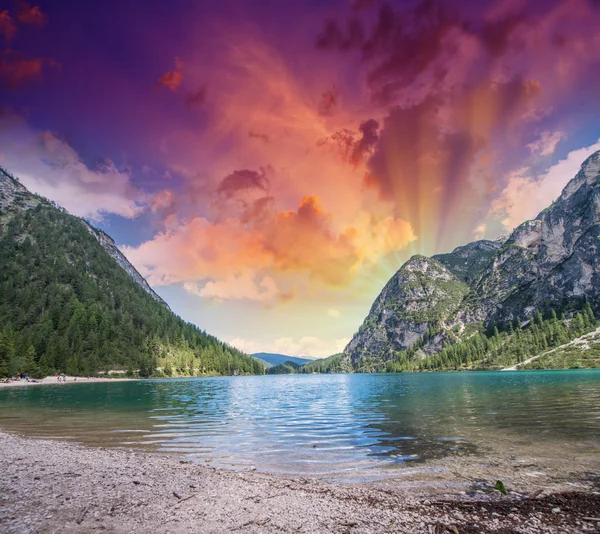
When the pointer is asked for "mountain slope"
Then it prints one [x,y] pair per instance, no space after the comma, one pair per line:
[552,262]
[270,358]
[69,301]
[286,368]
[422,295]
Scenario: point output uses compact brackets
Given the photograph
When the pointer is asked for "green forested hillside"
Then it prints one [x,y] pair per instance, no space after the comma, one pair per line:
[332,364]
[552,340]
[66,305]
[494,349]
[285,368]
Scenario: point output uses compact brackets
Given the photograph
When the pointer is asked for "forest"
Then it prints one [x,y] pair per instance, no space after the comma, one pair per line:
[67,306]
[494,348]
[497,347]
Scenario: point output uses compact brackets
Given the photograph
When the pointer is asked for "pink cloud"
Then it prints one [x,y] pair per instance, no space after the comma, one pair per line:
[7,26]
[49,166]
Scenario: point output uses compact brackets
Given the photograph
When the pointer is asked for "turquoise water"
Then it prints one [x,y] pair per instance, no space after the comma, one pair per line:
[315,423]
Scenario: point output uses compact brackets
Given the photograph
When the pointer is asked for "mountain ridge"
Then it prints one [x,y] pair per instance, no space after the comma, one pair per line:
[9,185]
[550,262]
[273,359]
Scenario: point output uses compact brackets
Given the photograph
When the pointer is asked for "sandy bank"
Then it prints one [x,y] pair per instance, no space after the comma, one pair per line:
[53,380]
[53,486]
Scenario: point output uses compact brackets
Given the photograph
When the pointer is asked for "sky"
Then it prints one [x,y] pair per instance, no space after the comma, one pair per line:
[269,165]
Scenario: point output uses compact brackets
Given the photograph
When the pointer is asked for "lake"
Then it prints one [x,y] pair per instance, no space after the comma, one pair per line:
[316,424]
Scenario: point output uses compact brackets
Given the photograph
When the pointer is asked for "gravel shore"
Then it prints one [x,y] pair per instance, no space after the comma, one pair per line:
[56,486]
[53,380]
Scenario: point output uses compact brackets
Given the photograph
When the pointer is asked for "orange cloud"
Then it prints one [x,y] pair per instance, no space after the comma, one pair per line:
[172,80]
[295,242]
[7,26]
[30,15]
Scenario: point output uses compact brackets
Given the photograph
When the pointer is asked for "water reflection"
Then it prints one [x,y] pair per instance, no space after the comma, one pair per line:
[314,424]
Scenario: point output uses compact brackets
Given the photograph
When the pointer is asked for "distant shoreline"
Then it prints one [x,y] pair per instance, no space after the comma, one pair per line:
[52,380]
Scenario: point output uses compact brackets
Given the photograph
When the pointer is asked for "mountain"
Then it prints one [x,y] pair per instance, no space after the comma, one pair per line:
[286,368]
[71,302]
[336,363]
[549,263]
[332,364]
[269,358]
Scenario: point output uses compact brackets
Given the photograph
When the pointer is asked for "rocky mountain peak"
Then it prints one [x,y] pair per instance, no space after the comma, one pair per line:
[588,175]
[551,262]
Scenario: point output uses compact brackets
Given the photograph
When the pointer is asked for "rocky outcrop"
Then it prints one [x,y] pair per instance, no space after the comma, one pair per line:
[469,261]
[550,262]
[108,244]
[11,190]
[14,195]
[422,294]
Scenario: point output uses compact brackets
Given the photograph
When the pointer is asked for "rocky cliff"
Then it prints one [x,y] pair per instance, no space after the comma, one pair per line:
[16,195]
[552,262]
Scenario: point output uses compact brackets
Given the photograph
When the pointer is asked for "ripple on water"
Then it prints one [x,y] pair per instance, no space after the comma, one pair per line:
[314,424]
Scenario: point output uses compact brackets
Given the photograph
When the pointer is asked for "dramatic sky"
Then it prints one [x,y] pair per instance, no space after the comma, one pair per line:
[268,165]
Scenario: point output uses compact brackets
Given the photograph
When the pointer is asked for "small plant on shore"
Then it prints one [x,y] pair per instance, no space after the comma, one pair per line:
[501,487]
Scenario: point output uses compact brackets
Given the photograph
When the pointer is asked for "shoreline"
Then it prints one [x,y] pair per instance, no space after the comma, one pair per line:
[52,380]
[52,485]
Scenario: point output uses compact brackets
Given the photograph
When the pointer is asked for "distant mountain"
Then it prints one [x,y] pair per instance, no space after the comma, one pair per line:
[332,364]
[286,368]
[71,302]
[270,358]
[549,263]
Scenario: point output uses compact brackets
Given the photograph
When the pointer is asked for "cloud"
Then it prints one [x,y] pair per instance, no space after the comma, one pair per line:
[243,180]
[282,243]
[7,26]
[546,144]
[172,79]
[331,312]
[162,200]
[332,36]
[479,231]
[197,98]
[239,287]
[355,147]
[435,47]
[307,346]
[260,136]
[16,71]
[30,15]
[526,195]
[49,166]
[366,144]
[433,157]
[329,100]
